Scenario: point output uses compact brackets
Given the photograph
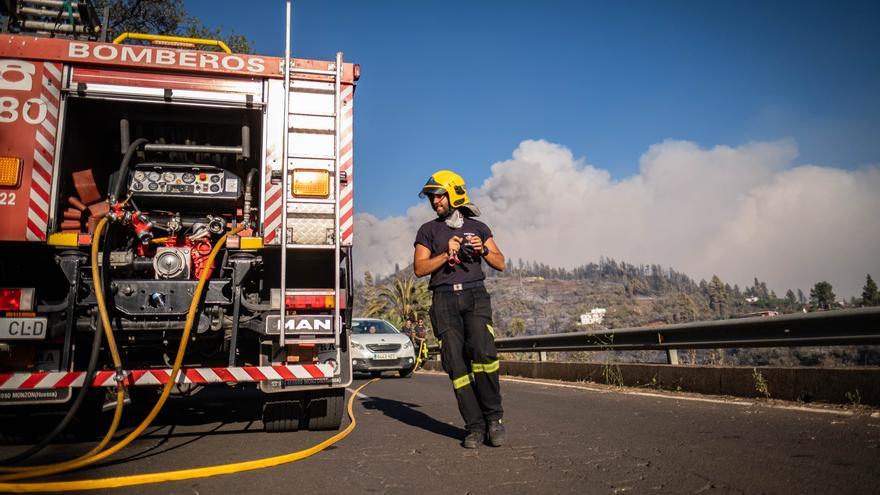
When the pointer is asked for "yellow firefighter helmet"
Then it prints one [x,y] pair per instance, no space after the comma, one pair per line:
[447,182]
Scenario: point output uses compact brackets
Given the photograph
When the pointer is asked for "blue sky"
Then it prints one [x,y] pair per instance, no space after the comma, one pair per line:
[737,138]
[460,84]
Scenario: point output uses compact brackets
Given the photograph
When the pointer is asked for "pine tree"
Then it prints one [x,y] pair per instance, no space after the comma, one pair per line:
[717,296]
[870,295]
[801,297]
[822,295]
[790,299]
[765,294]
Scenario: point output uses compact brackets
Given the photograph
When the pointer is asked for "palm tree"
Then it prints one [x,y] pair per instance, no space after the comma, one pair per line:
[403,299]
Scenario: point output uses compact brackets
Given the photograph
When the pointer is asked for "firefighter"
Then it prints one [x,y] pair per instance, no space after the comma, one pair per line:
[451,249]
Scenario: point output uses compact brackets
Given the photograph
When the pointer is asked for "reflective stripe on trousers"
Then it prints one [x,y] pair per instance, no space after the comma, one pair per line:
[486,367]
[462,321]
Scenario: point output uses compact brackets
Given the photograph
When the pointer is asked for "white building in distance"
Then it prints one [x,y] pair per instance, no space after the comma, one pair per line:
[594,317]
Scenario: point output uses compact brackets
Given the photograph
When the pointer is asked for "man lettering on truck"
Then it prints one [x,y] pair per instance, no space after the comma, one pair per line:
[452,248]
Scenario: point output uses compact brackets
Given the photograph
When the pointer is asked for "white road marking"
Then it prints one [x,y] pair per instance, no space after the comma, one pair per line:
[360,395]
[682,397]
[736,402]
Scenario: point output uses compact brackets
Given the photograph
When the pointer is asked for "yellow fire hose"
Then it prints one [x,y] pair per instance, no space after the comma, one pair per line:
[422,349]
[166,390]
[96,454]
[187,474]
[114,353]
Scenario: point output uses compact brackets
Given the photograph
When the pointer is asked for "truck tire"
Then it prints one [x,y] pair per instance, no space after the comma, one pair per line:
[326,408]
[282,415]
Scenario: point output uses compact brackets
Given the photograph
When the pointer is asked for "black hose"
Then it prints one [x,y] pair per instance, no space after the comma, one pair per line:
[248,196]
[123,169]
[74,408]
[99,333]
[52,308]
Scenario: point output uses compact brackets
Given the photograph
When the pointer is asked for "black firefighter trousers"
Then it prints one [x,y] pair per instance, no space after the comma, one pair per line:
[462,320]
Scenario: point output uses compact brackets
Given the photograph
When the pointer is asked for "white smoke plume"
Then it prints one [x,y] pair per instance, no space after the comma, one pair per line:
[738,212]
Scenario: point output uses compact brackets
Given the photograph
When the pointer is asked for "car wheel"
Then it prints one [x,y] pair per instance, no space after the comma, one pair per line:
[325,409]
[406,373]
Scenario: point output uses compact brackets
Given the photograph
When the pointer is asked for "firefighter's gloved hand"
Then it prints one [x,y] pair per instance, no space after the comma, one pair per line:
[476,243]
[454,246]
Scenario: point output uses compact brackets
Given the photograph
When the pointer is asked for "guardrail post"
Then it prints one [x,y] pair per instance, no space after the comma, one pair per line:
[542,357]
[671,356]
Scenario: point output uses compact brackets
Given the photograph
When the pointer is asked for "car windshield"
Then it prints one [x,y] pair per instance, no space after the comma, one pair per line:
[371,326]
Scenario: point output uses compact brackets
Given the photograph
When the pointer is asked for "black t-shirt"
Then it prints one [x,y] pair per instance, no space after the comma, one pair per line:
[435,236]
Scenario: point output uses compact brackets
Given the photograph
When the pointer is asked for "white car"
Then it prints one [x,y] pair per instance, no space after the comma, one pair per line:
[377,346]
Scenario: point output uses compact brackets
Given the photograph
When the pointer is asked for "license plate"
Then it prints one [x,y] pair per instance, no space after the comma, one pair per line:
[385,356]
[23,328]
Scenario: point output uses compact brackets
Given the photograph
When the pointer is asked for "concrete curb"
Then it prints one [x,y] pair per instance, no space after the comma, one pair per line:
[834,385]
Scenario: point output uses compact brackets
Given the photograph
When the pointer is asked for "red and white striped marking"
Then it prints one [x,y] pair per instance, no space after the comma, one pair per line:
[198,376]
[44,154]
[346,153]
[272,192]
[272,222]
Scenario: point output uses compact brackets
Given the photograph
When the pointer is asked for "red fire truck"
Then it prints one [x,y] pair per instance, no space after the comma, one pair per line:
[157,153]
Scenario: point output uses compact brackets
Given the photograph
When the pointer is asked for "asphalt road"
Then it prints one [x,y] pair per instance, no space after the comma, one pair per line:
[563,438]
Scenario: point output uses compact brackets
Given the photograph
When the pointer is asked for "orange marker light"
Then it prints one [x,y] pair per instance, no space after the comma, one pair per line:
[10,171]
[311,183]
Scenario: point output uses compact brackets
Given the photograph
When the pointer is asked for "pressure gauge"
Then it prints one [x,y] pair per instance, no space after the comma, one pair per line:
[168,177]
[189,178]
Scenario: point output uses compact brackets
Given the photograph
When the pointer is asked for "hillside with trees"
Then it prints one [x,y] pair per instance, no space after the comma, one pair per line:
[533,298]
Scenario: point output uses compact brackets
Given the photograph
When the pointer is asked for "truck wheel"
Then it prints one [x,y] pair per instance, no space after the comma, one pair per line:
[375,374]
[282,415]
[325,409]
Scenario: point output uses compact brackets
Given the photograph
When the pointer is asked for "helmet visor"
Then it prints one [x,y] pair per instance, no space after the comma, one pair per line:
[428,189]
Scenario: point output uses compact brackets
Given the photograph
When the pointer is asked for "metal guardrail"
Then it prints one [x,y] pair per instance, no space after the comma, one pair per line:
[826,328]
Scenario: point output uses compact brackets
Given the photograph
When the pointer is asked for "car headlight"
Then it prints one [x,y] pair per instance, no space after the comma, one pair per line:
[357,346]
[407,345]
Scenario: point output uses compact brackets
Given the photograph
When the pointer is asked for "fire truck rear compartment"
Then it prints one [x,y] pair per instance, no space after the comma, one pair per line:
[93,139]
[150,308]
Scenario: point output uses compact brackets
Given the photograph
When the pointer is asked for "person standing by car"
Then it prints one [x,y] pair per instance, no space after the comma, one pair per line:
[451,249]
[408,329]
[420,333]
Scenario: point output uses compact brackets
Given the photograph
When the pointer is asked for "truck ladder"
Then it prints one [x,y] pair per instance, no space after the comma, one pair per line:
[288,155]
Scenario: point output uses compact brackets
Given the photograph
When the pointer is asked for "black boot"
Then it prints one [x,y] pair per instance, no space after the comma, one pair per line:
[496,433]
[473,439]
